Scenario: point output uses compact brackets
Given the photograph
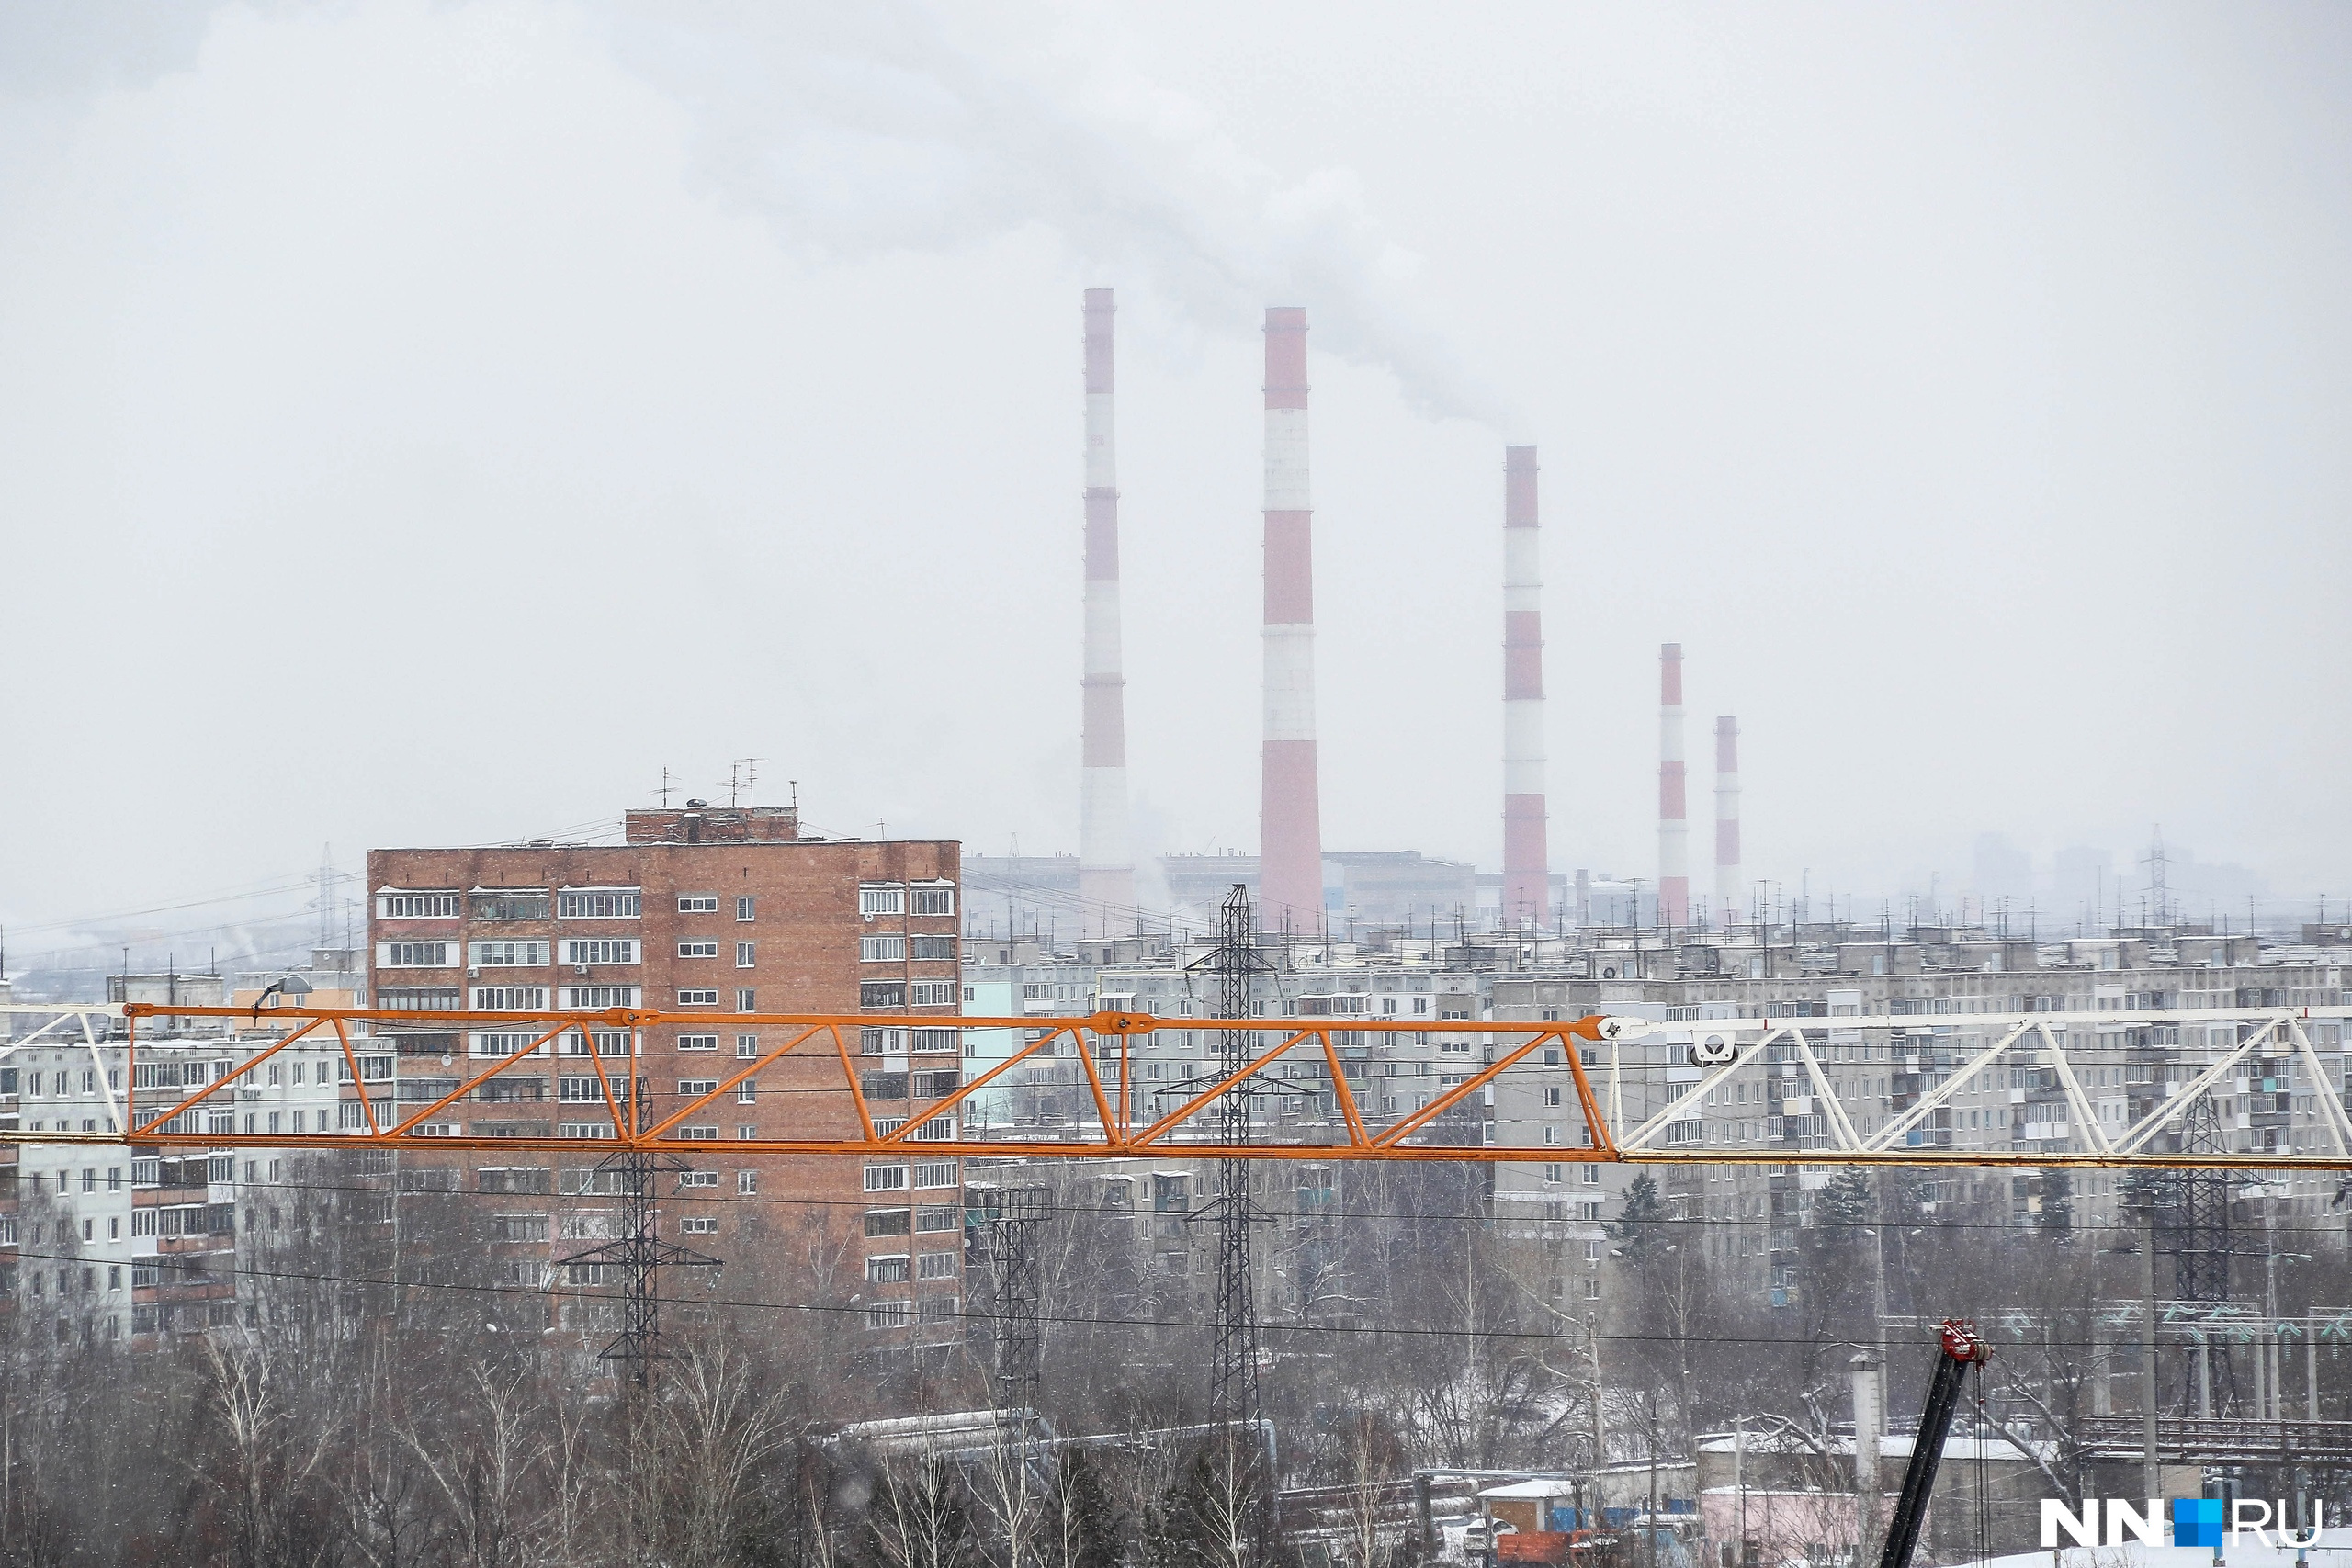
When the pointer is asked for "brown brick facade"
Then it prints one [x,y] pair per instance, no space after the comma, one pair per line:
[732,913]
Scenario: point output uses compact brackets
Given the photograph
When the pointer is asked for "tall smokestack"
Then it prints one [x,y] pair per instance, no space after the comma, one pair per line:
[1728,887]
[1673,828]
[1527,871]
[1290,874]
[1106,878]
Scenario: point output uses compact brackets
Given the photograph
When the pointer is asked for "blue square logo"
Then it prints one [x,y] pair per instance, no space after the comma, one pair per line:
[2196,1521]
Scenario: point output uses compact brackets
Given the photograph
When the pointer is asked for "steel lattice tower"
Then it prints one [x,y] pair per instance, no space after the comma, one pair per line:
[640,1254]
[1004,1222]
[1234,1398]
[2201,1211]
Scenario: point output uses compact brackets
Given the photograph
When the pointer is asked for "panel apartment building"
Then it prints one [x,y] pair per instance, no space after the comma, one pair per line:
[714,911]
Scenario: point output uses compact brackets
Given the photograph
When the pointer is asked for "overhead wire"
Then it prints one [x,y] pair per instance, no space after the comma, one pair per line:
[1578,1332]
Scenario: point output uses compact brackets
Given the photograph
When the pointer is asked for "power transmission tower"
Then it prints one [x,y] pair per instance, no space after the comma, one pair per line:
[2201,1211]
[2193,1227]
[2159,894]
[1004,1222]
[640,1253]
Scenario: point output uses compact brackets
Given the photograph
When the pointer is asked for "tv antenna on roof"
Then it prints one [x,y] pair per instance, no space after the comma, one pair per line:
[751,767]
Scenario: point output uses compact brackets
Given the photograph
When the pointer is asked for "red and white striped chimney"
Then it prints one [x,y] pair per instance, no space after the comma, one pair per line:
[1527,871]
[1673,826]
[1290,866]
[1728,887]
[1106,878]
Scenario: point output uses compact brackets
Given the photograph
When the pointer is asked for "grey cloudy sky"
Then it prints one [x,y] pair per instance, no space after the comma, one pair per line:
[422,423]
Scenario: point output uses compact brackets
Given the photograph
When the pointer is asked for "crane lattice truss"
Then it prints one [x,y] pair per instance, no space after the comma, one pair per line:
[1131,1119]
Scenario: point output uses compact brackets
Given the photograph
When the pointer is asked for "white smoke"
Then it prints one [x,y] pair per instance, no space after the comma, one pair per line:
[863,129]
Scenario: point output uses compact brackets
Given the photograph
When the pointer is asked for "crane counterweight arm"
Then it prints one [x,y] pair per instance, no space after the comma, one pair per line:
[1961,1346]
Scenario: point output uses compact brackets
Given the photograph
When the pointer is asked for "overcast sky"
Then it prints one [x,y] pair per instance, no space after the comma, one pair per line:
[423,423]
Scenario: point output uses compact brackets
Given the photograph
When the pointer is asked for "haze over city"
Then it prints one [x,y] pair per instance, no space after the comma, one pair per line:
[1071,786]
[425,422]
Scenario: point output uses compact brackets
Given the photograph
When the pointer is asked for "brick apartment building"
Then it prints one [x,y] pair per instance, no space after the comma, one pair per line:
[705,910]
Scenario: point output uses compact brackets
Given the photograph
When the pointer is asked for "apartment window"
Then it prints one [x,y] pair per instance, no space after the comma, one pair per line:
[886,1178]
[699,1227]
[890,1269]
[880,1041]
[591,998]
[936,1039]
[934,901]
[1551,1134]
[698,1042]
[690,1088]
[935,1266]
[1552,1175]
[881,948]
[488,1043]
[746,955]
[1592,1289]
[747,1000]
[511,903]
[413,1000]
[884,1222]
[887,900]
[607,1043]
[745,1132]
[1592,1175]
[746,906]
[931,1221]
[881,994]
[599,904]
[746,1092]
[887,1315]
[747,1045]
[935,1173]
[508,954]
[623,950]
[414,954]
[510,998]
[747,1182]
[417,906]
[697,999]
[933,993]
[696,1135]
[697,949]
[1592,1254]
[698,1179]
[697,903]
[586,1090]
[938,949]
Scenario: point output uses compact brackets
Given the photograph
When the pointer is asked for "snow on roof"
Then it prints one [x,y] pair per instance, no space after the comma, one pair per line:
[1522,1489]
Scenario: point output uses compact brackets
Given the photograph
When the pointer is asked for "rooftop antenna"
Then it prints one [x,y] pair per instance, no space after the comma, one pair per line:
[752,780]
[665,789]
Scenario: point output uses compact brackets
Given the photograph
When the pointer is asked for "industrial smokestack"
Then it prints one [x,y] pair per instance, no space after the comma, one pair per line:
[1727,888]
[1106,878]
[1527,873]
[1290,874]
[1673,827]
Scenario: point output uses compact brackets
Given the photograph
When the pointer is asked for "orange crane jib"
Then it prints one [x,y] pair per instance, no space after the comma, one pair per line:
[829,1110]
